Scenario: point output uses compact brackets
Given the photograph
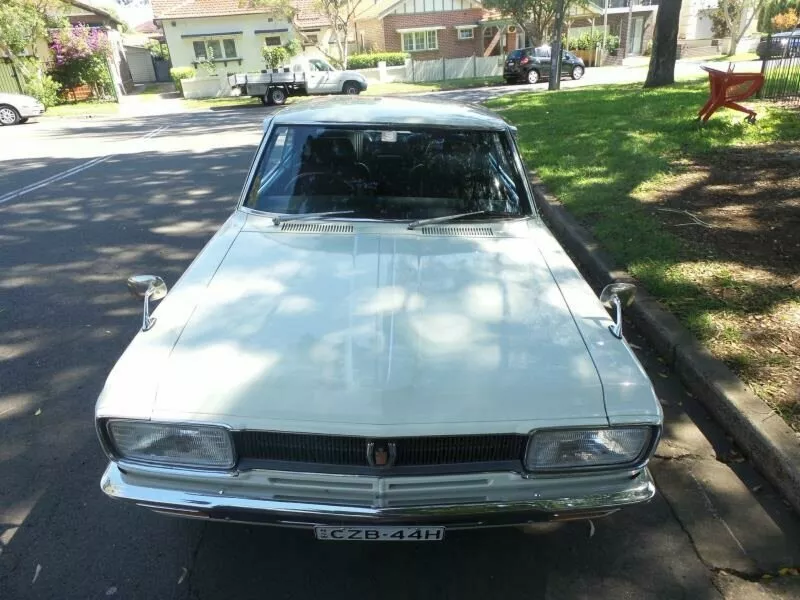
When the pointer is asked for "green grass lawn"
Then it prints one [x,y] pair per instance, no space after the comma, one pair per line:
[83,109]
[221,102]
[388,89]
[610,152]
[374,89]
[726,58]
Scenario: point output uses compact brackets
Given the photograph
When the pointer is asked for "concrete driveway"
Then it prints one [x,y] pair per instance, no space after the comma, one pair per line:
[83,204]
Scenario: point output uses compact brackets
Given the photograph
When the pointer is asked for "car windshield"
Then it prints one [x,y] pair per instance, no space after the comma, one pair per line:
[403,173]
[319,65]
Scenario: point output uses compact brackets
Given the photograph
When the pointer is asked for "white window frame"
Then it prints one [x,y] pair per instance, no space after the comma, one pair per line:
[465,32]
[221,42]
[421,41]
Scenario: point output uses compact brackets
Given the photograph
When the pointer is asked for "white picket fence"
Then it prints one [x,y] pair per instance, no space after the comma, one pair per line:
[438,69]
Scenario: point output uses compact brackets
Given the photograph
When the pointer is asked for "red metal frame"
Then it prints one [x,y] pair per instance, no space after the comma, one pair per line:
[727,88]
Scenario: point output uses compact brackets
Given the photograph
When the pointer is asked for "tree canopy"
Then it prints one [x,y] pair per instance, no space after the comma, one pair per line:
[22,22]
[535,17]
[340,15]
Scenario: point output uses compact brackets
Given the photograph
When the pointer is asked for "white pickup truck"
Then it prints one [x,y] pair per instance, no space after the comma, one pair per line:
[301,77]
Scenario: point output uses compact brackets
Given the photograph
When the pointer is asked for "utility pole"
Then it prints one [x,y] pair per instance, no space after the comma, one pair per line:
[555,49]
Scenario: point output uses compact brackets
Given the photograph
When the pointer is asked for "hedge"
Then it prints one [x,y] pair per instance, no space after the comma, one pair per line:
[178,73]
[370,61]
[589,41]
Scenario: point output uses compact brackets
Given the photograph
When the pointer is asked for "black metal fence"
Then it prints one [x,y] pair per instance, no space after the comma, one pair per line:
[780,55]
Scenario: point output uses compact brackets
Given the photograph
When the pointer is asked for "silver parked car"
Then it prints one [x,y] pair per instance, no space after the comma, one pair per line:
[383,342]
[18,108]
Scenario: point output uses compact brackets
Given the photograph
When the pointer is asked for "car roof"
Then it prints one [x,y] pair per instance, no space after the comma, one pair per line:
[389,111]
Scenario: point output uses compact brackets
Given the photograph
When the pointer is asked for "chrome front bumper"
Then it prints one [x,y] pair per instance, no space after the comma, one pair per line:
[31,111]
[305,500]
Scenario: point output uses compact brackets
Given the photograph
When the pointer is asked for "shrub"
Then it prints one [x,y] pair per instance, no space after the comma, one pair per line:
[370,61]
[785,21]
[157,49]
[80,58]
[44,88]
[277,56]
[178,73]
[274,56]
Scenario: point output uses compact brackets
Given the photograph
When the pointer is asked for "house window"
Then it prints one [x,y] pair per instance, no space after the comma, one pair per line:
[199,50]
[312,39]
[214,49]
[230,48]
[466,34]
[272,40]
[420,40]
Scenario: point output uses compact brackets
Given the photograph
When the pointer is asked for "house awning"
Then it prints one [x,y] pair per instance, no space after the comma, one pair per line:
[212,34]
[473,26]
[416,29]
[278,30]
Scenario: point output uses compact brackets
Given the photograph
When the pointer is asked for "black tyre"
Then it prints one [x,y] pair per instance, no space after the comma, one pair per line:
[23,120]
[577,72]
[8,115]
[266,100]
[351,88]
[532,76]
[277,96]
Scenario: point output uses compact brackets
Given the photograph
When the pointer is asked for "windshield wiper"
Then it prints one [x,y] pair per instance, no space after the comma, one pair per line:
[487,213]
[505,179]
[277,220]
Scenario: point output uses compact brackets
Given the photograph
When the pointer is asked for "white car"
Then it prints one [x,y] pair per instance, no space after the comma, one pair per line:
[18,108]
[383,342]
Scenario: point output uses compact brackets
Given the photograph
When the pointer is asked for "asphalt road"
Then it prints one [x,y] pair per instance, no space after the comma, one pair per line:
[158,189]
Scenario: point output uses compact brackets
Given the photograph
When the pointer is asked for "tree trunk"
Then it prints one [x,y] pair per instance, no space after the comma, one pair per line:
[746,15]
[665,45]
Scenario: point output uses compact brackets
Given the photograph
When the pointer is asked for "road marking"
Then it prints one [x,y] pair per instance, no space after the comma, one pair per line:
[70,172]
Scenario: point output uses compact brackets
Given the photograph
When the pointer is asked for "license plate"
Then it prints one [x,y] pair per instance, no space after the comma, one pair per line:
[381,534]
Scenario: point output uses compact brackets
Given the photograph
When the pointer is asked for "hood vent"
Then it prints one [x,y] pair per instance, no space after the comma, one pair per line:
[317,227]
[458,230]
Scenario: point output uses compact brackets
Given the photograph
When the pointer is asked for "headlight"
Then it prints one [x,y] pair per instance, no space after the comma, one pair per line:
[568,449]
[172,444]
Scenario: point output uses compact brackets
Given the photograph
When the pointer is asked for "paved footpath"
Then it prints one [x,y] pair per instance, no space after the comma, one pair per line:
[83,204]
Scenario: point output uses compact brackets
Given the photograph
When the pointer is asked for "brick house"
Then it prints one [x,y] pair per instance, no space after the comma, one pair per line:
[633,21]
[429,29]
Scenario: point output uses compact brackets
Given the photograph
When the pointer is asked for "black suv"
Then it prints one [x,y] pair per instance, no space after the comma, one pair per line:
[531,65]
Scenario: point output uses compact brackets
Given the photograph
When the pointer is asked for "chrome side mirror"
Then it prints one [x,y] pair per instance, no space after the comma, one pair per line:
[617,296]
[147,287]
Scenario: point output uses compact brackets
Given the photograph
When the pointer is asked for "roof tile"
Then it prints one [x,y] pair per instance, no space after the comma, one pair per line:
[308,15]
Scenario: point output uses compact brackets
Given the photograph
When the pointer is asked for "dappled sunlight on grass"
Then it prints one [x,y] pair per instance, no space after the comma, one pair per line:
[610,153]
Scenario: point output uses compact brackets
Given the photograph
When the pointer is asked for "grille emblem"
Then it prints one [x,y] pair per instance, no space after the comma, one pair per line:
[381,454]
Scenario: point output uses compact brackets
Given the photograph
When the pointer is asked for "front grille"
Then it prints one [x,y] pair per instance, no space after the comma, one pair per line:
[351,451]
[457,230]
[317,227]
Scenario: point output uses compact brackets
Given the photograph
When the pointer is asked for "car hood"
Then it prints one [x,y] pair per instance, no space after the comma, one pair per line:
[366,330]
[18,99]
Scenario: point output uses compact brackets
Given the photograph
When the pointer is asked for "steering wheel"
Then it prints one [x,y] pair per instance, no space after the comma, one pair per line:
[296,178]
